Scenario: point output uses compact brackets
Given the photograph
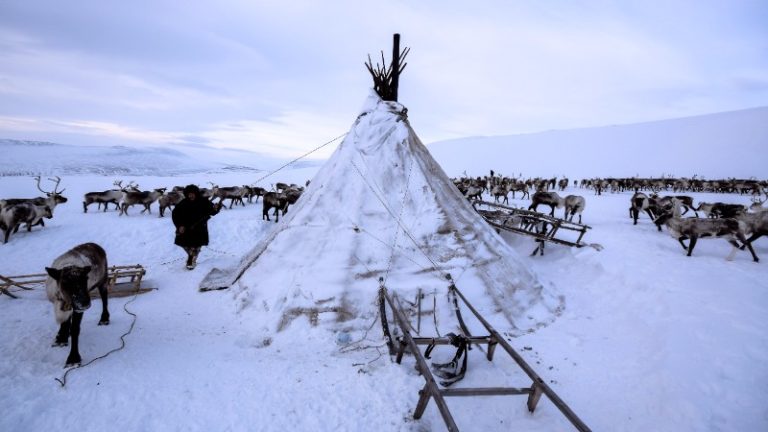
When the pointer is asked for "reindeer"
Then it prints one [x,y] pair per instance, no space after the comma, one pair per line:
[721,210]
[695,228]
[757,204]
[272,200]
[255,191]
[109,196]
[51,199]
[291,196]
[11,217]
[281,187]
[640,202]
[145,198]
[501,190]
[756,227]
[552,199]
[232,193]
[474,192]
[519,187]
[574,204]
[169,200]
[70,278]
[685,201]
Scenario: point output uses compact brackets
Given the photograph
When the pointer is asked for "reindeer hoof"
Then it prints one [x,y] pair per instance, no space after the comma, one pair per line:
[73,361]
[58,343]
[104,322]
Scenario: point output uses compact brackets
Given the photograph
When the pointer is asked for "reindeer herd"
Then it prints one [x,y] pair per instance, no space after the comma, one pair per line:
[32,211]
[738,224]
[735,223]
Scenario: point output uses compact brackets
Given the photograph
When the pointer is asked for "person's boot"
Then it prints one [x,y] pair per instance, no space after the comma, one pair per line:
[193,259]
[190,260]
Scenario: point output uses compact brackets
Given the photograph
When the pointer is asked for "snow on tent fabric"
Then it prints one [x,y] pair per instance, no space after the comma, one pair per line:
[332,247]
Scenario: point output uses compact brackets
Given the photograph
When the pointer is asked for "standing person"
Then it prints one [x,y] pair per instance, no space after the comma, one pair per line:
[191,219]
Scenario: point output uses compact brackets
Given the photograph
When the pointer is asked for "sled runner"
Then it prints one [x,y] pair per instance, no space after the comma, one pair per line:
[123,281]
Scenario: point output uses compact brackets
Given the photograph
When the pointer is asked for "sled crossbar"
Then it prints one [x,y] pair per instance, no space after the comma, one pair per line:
[530,223]
[122,279]
[431,390]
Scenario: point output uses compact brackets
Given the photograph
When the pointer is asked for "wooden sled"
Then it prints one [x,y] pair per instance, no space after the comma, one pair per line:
[123,281]
[542,227]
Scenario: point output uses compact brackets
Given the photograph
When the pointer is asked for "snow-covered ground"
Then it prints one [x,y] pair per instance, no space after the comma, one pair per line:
[649,339]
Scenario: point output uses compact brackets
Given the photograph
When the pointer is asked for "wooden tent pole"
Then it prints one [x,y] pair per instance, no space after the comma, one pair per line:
[395,65]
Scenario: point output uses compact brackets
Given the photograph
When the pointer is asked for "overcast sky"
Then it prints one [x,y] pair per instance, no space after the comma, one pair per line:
[282,77]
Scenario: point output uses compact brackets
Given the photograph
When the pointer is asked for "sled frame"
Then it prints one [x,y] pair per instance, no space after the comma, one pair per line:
[526,222]
[431,390]
[121,279]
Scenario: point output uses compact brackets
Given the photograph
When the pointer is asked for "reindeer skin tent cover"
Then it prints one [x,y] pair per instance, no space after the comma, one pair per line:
[328,252]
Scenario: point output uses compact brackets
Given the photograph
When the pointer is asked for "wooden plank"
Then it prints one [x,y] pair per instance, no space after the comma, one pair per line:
[447,341]
[486,391]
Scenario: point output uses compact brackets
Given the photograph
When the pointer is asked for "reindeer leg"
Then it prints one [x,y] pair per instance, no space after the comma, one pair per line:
[62,338]
[748,243]
[752,251]
[74,352]
[103,293]
[681,242]
[754,237]
[691,245]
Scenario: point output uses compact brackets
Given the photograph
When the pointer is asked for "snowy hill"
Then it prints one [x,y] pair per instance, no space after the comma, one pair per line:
[21,158]
[730,144]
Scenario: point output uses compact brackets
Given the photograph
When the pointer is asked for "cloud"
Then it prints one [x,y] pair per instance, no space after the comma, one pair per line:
[281,74]
[286,136]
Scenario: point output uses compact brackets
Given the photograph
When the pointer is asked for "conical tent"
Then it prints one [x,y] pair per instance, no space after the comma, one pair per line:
[381,207]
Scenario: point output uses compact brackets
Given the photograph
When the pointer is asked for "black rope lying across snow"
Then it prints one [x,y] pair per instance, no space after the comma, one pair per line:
[63,379]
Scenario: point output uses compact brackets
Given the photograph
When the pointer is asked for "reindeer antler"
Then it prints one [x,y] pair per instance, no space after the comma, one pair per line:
[38,185]
[56,179]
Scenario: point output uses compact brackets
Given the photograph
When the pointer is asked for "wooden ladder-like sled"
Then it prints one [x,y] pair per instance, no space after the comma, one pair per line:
[123,280]
[542,227]
[431,389]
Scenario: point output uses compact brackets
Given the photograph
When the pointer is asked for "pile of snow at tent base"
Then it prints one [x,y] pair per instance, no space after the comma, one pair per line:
[646,339]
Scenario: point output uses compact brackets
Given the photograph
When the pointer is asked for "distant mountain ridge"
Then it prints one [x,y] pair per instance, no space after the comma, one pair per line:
[23,157]
[721,145]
